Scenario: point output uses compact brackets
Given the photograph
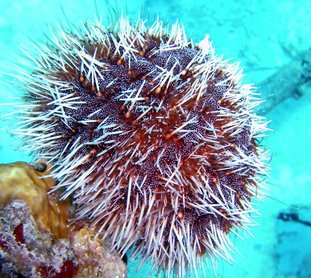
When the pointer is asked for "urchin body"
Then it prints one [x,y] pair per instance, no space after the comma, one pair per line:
[153,136]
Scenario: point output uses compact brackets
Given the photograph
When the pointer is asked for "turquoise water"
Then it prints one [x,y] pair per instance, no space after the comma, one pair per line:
[264,36]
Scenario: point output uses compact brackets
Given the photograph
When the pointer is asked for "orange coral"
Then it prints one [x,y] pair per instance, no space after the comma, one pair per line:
[28,183]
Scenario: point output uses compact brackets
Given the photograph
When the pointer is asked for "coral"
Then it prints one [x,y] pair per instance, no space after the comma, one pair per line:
[32,247]
[28,183]
[154,137]
[28,251]
[96,259]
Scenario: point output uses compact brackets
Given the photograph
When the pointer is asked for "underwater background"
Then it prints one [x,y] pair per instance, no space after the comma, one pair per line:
[264,36]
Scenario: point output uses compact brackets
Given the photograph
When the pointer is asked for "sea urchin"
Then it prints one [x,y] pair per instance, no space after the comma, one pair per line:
[154,137]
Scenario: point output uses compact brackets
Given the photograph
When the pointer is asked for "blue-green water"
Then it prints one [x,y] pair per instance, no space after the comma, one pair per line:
[264,36]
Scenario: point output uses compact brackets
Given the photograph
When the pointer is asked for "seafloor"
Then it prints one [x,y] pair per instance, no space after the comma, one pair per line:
[264,35]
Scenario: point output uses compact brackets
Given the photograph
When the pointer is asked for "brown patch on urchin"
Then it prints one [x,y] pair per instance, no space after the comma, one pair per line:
[154,137]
